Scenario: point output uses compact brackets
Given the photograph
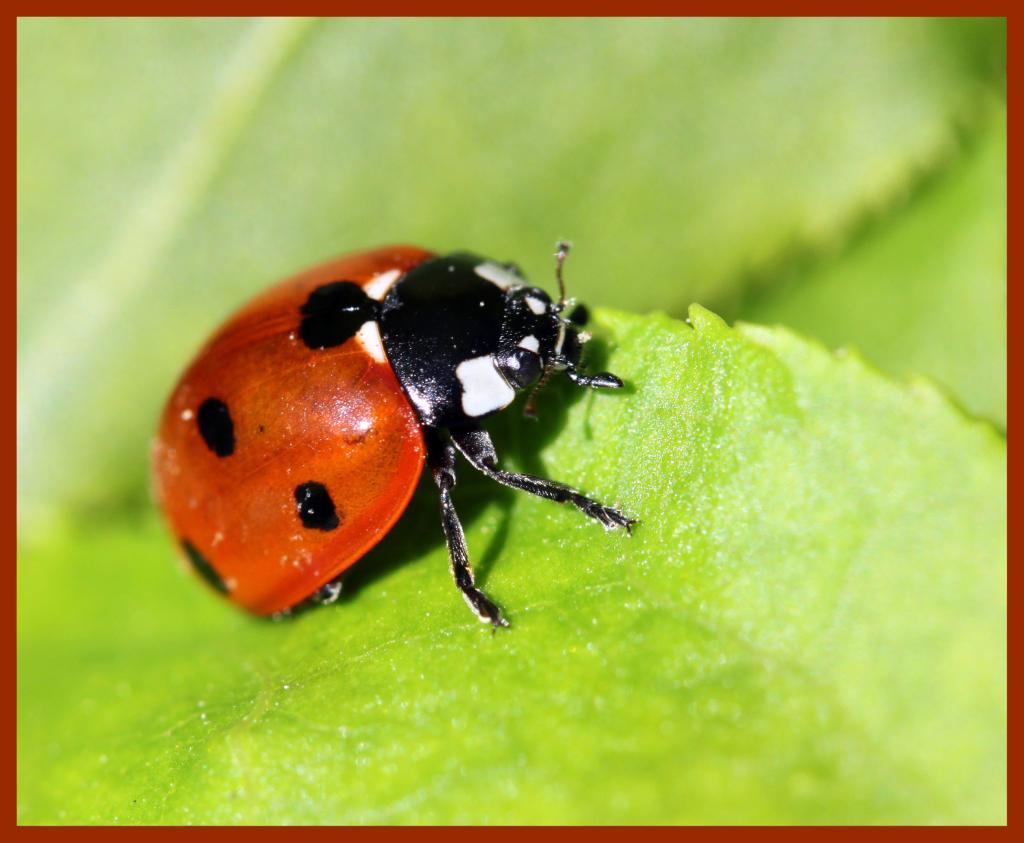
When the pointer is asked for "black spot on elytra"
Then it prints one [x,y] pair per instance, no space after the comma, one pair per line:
[216,427]
[203,567]
[333,313]
[315,507]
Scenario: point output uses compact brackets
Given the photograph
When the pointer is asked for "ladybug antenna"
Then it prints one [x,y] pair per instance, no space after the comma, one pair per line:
[561,253]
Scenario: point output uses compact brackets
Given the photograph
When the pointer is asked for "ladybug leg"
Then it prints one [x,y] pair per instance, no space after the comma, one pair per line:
[441,458]
[328,593]
[475,445]
[602,380]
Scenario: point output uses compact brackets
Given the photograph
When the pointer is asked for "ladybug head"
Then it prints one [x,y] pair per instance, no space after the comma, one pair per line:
[463,334]
[537,339]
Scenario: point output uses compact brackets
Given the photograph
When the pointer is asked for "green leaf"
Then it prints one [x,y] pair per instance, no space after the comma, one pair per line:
[923,290]
[167,169]
[807,626]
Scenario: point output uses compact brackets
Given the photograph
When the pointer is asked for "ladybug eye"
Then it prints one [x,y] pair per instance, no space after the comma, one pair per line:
[522,367]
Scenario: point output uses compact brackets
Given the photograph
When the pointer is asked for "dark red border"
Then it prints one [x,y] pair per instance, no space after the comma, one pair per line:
[523,8]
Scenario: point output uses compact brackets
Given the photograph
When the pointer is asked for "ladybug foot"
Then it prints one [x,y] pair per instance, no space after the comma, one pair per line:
[602,380]
[608,517]
[482,607]
[327,593]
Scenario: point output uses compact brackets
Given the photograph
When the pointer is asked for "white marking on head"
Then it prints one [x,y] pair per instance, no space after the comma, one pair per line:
[484,390]
[186,415]
[530,343]
[368,337]
[378,287]
[497,274]
[536,305]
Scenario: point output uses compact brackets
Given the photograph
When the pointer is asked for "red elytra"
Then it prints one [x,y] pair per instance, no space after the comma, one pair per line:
[336,415]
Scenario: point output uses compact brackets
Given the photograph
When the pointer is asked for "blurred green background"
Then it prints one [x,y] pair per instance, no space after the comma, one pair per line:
[845,178]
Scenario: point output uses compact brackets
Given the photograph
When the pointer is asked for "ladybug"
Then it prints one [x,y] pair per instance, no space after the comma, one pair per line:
[295,439]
